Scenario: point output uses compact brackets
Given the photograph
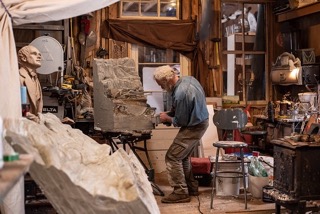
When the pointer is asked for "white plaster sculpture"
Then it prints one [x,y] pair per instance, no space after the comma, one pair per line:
[120,104]
[77,174]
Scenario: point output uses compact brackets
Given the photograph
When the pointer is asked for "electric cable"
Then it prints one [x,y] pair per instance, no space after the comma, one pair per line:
[199,204]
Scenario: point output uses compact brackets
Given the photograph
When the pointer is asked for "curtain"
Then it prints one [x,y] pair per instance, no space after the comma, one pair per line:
[178,35]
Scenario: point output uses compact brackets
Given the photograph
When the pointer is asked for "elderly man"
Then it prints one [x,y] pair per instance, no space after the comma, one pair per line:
[189,112]
[29,59]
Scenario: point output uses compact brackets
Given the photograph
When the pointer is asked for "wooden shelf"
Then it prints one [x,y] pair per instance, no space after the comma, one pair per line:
[12,171]
[40,27]
[299,12]
[159,63]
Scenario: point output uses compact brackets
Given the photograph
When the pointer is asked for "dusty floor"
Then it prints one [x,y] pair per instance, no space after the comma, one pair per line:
[201,204]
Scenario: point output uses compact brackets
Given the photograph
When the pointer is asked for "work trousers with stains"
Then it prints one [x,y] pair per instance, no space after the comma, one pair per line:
[177,159]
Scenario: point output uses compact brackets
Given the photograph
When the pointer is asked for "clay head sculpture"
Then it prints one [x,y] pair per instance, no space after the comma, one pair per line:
[29,59]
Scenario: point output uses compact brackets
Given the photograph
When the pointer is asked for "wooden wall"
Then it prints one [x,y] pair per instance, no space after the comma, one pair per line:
[304,24]
[190,10]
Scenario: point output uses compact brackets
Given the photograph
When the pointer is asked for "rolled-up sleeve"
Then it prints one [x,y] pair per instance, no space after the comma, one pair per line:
[181,117]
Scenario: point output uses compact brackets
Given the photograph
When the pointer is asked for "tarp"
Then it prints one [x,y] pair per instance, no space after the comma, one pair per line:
[24,12]
[178,35]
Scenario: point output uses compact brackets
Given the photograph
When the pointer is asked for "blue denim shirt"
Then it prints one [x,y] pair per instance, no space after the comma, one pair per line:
[188,102]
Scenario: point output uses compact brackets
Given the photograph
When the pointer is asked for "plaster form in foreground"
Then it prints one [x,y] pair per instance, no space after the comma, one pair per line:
[77,174]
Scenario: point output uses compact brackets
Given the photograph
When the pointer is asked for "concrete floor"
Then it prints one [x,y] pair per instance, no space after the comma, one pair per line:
[201,204]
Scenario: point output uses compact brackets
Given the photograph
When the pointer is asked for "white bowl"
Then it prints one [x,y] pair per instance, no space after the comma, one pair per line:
[306,97]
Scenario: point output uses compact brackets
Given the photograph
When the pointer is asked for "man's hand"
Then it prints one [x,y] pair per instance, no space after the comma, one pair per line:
[165,118]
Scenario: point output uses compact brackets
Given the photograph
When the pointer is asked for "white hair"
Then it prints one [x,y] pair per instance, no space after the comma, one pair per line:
[163,72]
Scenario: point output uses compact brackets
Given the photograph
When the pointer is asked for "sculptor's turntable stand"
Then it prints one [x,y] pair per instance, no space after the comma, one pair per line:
[115,138]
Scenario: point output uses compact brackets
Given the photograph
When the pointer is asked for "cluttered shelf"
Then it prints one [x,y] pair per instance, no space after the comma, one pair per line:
[299,12]
[12,171]
[283,121]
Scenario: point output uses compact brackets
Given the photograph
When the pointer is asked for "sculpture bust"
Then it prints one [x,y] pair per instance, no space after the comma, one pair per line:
[29,59]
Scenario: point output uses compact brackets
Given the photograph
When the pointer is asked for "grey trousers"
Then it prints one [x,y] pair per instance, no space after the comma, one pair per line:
[177,158]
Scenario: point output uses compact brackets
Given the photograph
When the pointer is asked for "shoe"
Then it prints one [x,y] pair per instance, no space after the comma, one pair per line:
[176,198]
[196,193]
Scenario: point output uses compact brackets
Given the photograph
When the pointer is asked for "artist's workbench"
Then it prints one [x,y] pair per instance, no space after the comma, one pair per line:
[282,122]
[279,127]
[12,172]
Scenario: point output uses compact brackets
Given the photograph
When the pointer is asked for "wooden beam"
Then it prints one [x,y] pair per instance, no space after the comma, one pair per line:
[149,6]
[113,11]
[39,27]
[186,10]
[127,5]
[299,12]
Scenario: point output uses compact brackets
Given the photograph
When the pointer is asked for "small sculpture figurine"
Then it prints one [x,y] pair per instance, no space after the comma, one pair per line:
[29,59]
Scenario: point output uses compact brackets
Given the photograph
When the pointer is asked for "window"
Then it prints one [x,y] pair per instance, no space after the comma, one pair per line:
[153,57]
[244,56]
[147,9]
[149,58]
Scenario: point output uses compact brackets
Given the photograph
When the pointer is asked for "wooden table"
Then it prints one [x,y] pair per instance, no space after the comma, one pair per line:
[12,171]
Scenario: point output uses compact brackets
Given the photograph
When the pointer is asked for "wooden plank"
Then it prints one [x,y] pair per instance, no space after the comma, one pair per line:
[162,134]
[103,18]
[162,137]
[76,30]
[113,11]
[155,145]
[12,172]
[66,31]
[98,29]
[157,159]
[186,10]
[40,27]
[195,9]
[299,12]
[313,32]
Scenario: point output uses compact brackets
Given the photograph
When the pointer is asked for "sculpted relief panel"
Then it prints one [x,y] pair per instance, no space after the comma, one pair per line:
[120,104]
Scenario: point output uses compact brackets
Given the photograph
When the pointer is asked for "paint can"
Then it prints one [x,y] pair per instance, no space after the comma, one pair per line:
[265,196]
